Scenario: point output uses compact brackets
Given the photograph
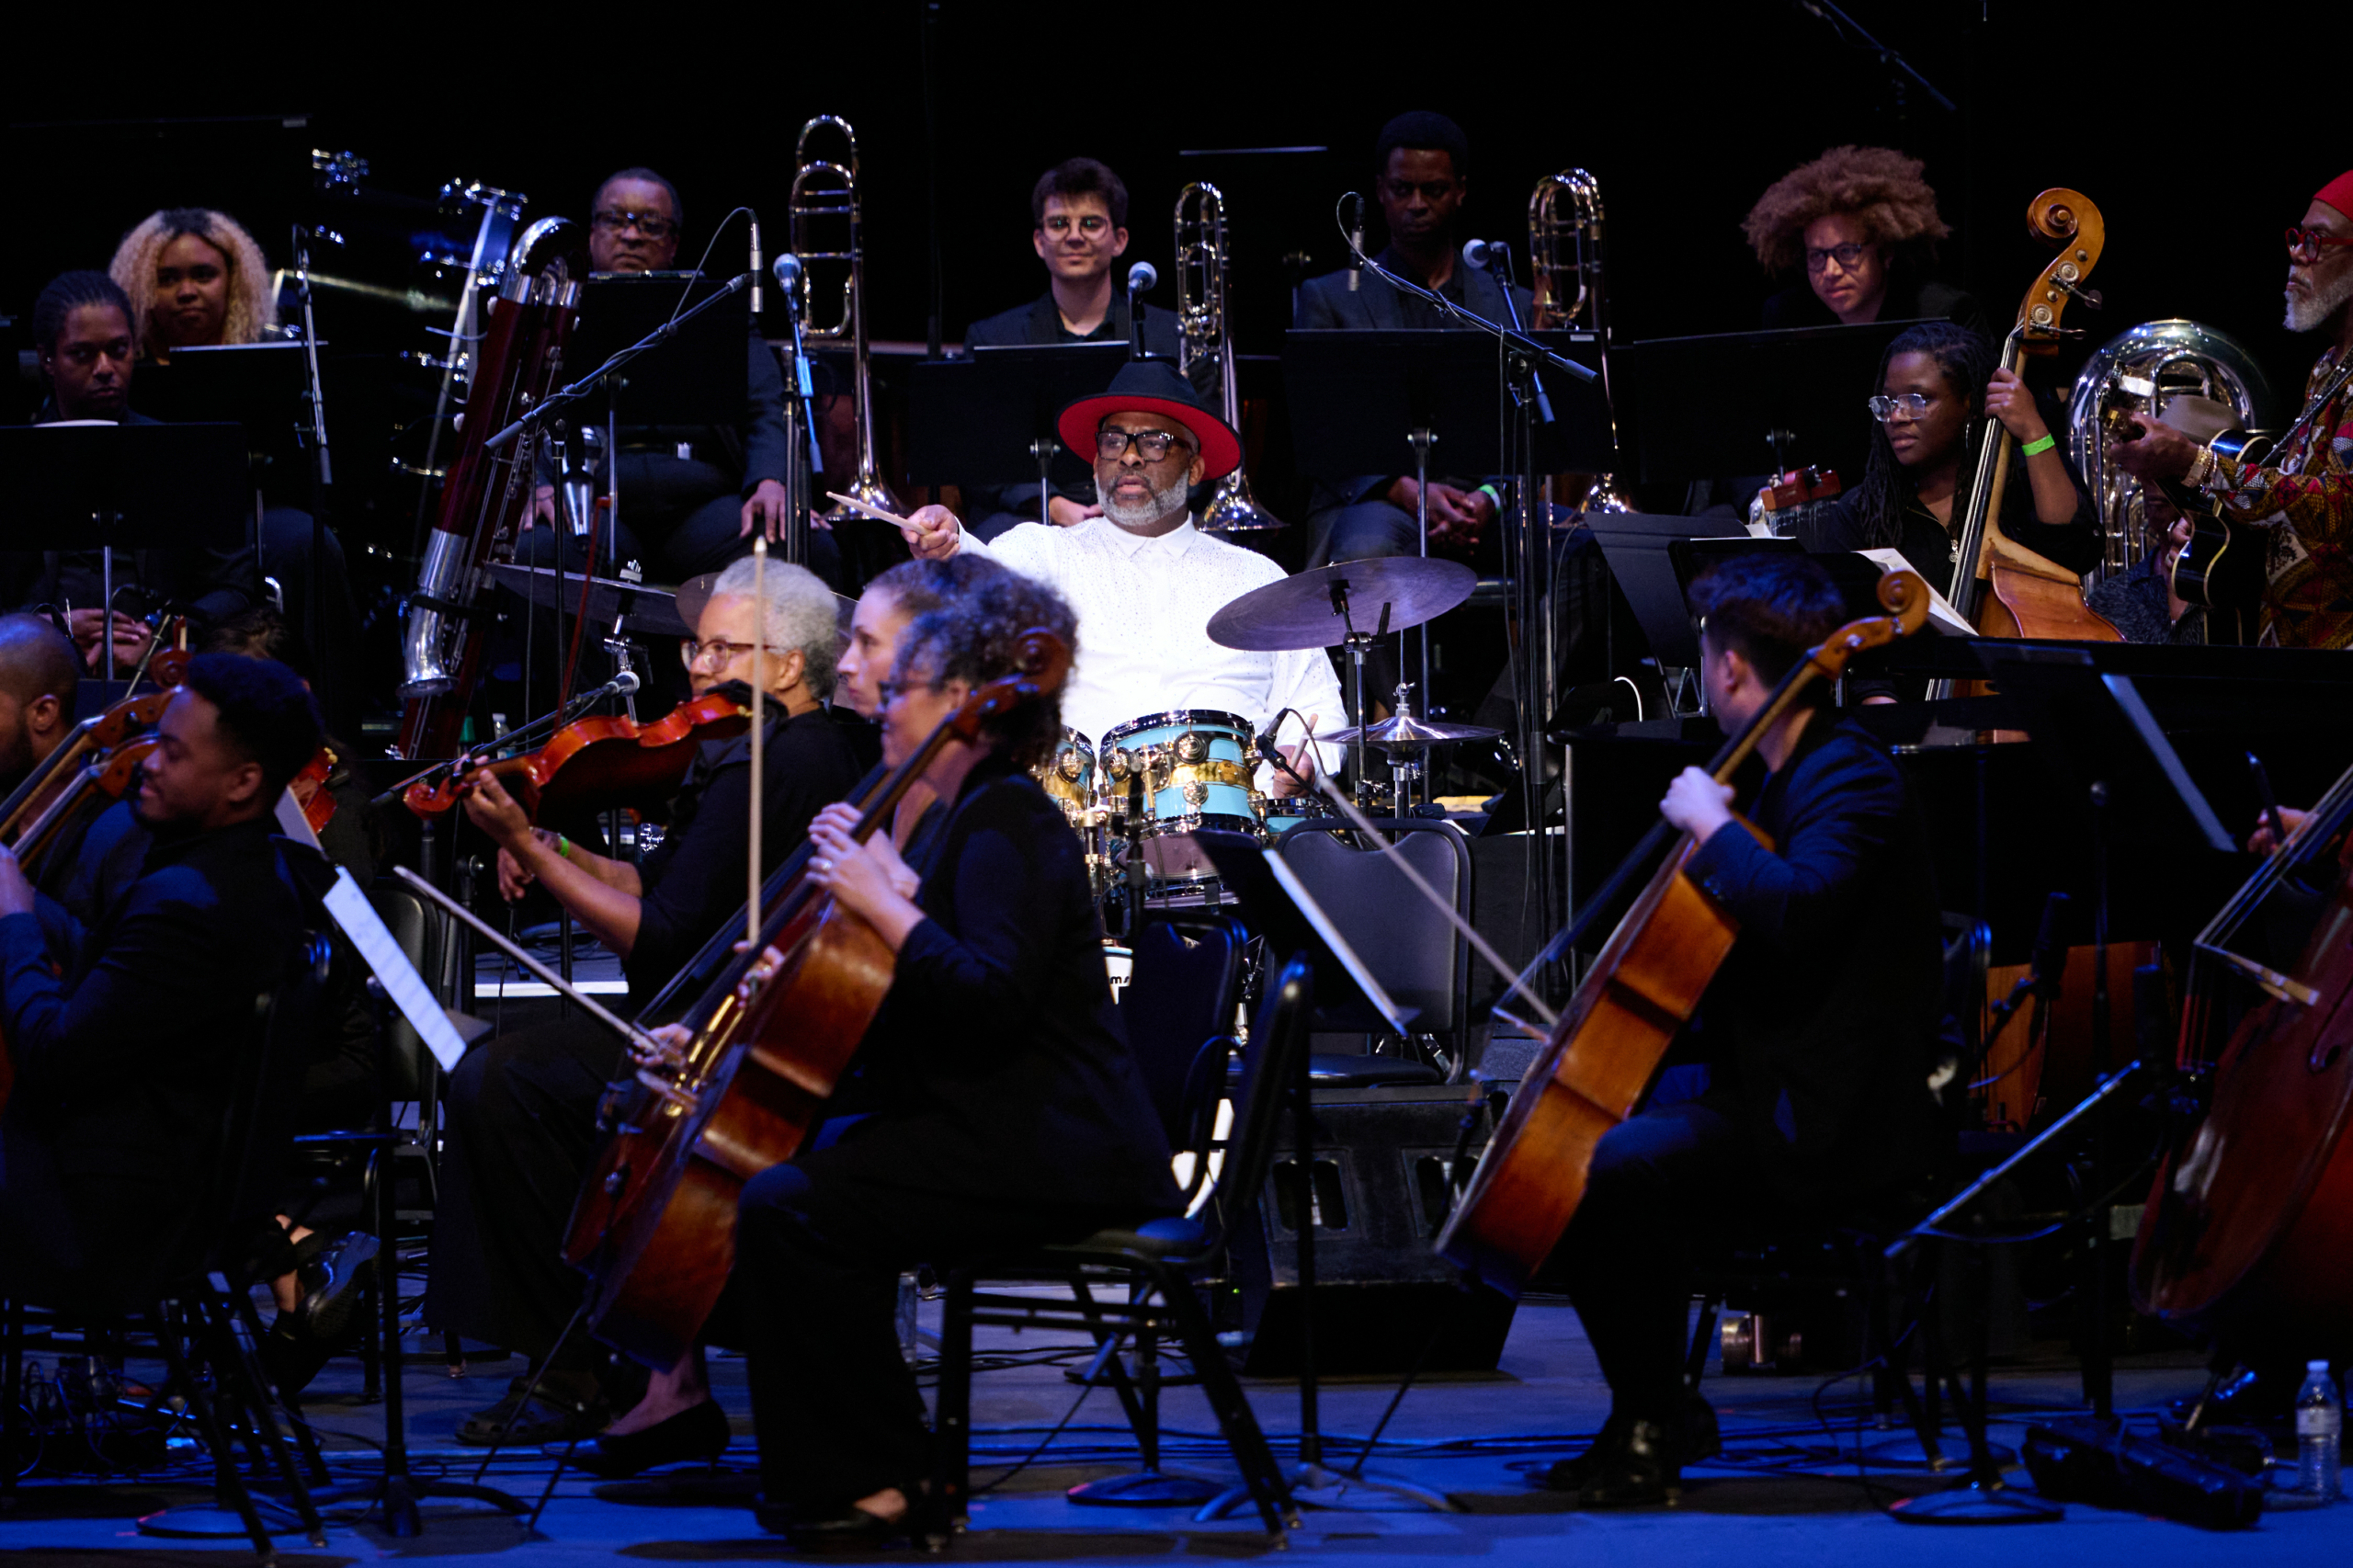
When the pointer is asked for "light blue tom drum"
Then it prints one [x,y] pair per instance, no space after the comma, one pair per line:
[1196,772]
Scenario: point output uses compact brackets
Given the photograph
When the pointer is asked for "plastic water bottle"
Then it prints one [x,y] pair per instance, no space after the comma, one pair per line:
[2320,1429]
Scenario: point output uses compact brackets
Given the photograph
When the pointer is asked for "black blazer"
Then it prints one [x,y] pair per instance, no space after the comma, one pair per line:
[1822,1026]
[998,1065]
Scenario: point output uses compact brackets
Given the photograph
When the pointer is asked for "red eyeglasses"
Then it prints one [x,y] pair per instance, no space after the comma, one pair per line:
[2313,240]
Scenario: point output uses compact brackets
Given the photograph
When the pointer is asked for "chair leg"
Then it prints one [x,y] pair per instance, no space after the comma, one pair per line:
[1260,1473]
[169,1335]
[1106,1356]
[1695,1360]
[235,1368]
[304,1438]
[16,1430]
[953,1424]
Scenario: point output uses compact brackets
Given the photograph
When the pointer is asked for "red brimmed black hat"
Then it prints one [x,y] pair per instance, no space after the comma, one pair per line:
[1152,386]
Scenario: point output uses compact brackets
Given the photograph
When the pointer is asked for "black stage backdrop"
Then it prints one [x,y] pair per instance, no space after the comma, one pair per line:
[1683,112]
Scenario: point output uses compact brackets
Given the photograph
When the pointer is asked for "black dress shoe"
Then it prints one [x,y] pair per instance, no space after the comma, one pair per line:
[698,1432]
[1638,1465]
[332,1283]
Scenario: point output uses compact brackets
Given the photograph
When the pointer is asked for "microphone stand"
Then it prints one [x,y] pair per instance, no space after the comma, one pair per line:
[1521,363]
[800,430]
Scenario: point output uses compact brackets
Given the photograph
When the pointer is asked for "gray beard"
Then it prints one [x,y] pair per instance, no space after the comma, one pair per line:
[2323,303]
[1143,514]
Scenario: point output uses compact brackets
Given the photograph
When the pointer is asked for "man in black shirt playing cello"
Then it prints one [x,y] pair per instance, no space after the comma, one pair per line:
[1806,1087]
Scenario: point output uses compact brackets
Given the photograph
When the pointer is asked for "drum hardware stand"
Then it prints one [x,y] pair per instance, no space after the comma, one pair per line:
[1042,451]
[1421,441]
[1136,872]
[1358,644]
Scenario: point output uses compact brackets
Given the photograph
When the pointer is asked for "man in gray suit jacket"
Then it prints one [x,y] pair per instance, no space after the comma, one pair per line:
[1421,186]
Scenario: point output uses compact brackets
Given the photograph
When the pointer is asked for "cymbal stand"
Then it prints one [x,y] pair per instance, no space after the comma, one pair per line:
[1358,644]
[1042,450]
[1421,441]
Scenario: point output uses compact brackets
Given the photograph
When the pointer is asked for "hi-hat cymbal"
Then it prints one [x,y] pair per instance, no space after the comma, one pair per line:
[640,607]
[1409,731]
[1303,611]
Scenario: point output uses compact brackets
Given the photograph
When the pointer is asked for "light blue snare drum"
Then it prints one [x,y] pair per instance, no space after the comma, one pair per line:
[1196,774]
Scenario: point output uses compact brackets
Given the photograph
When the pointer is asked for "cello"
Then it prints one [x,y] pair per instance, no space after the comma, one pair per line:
[2249,1229]
[655,1224]
[2012,591]
[1601,1056]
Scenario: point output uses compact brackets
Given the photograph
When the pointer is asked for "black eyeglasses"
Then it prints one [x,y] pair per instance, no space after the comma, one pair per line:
[1817,258]
[2316,241]
[1089,223]
[1111,443]
[646,223]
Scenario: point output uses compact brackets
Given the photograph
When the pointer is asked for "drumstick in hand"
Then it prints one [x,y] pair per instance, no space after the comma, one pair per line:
[877,513]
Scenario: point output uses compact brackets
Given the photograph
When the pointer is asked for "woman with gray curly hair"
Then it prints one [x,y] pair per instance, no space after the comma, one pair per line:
[195,278]
[1862,224]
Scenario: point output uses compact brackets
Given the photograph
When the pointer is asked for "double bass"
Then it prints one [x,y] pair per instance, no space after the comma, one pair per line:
[1607,1046]
[654,1226]
[2248,1230]
[2012,591]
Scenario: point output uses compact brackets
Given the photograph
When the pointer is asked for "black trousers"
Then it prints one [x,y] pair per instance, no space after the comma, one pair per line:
[522,1120]
[1659,1188]
[819,1246]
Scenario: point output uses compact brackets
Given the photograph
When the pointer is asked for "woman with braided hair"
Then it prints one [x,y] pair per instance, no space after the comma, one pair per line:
[1863,224]
[1937,385]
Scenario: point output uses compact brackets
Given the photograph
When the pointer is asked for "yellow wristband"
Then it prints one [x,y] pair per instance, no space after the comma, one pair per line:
[2042,443]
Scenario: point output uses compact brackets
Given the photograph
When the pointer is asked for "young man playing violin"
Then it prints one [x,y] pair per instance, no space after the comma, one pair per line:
[1800,1090]
[522,1108]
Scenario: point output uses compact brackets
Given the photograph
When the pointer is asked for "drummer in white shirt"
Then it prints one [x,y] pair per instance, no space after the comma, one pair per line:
[1144,581]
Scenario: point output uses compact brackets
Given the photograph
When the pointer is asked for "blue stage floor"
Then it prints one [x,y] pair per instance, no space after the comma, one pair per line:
[1786,1490]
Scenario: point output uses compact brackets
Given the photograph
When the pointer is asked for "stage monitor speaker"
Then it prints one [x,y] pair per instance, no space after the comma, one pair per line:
[1376,1196]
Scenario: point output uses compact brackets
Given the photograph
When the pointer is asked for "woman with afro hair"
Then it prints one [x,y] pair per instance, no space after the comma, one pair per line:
[1861,226]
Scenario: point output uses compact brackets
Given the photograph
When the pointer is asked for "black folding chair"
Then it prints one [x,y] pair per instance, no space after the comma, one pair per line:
[1155,1265]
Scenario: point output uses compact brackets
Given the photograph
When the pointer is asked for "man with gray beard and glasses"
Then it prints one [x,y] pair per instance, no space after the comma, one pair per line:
[1144,581]
[2302,496]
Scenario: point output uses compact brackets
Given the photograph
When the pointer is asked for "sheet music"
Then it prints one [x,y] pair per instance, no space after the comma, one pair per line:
[407,989]
[1941,615]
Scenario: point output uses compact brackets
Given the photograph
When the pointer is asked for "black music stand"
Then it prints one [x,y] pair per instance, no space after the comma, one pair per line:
[1652,572]
[698,377]
[76,487]
[990,419]
[1794,396]
[1276,907]
[261,386]
[2118,780]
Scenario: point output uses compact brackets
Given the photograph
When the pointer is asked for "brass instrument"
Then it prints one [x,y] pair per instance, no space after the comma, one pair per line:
[826,227]
[1565,270]
[487,494]
[1205,331]
[2202,381]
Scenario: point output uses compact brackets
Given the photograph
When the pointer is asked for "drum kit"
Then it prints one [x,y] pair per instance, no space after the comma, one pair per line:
[1155,780]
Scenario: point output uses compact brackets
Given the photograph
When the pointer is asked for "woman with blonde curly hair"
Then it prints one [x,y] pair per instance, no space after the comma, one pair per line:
[1863,225]
[195,278]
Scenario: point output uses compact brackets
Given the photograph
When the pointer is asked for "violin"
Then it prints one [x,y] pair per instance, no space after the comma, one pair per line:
[595,763]
[310,789]
[1602,1052]
[2011,591]
[654,1226]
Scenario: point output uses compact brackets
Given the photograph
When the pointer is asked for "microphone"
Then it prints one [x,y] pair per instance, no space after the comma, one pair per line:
[1480,254]
[1141,279]
[2050,956]
[787,269]
[755,269]
[1355,243]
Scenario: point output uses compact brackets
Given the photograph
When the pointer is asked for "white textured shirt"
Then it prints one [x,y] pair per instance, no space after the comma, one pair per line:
[1143,606]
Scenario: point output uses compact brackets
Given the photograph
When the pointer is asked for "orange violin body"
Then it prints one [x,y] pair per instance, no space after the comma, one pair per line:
[597,763]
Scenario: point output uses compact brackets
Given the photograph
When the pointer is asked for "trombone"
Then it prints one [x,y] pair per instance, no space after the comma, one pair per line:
[1204,331]
[825,227]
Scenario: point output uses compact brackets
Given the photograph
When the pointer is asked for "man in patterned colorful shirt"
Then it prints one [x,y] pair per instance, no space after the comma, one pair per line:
[2304,495]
